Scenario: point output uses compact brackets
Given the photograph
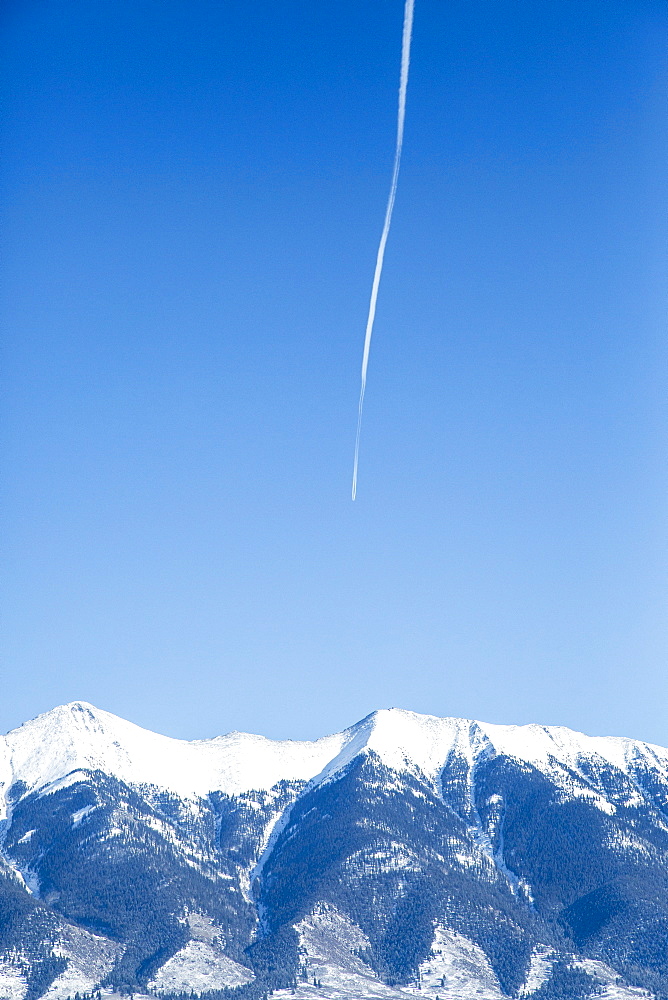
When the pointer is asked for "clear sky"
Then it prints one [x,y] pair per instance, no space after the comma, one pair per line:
[192,195]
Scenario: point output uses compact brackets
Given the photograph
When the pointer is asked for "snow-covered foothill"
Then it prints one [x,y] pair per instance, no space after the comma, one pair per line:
[457,969]
[329,943]
[540,970]
[612,986]
[13,982]
[199,966]
[89,958]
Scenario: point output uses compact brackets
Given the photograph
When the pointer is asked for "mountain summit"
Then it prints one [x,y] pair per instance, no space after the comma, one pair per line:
[407,855]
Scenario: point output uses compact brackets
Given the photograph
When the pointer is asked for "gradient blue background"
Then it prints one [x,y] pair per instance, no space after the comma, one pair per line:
[192,198]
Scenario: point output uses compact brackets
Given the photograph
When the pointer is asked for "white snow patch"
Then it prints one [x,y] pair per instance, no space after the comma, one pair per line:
[200,965]
[6,778]
[109,994]
[576,791]
[329,942]
[13,983]
[540,970]
[30,880]
[89,958]
[21,881]
[625,841]
[277,822]
[457,969]
[613,986]
[202,928]
[81,814]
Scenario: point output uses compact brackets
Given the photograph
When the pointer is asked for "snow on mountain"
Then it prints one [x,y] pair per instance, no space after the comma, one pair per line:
[610,985]
[76,737]
[13,982]
[89,958]
[199,966]
[50,750]
[457,969]
[403,738]
[330,945]
[539,971]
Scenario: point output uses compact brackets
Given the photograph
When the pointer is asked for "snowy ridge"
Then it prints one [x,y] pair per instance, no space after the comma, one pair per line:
[52,749]
[79,737]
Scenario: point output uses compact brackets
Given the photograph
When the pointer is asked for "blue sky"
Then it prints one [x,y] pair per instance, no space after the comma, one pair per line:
[192,195]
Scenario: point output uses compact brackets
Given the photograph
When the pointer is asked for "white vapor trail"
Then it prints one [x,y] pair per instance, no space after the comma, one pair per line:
[403,83]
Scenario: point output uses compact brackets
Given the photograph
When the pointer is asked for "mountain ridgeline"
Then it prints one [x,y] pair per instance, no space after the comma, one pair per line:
[408,855]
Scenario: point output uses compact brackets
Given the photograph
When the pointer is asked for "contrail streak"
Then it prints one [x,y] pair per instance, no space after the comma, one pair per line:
[403,83]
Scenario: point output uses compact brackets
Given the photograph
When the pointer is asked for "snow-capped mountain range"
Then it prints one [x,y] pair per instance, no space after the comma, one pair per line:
[53,748]
[408,854]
